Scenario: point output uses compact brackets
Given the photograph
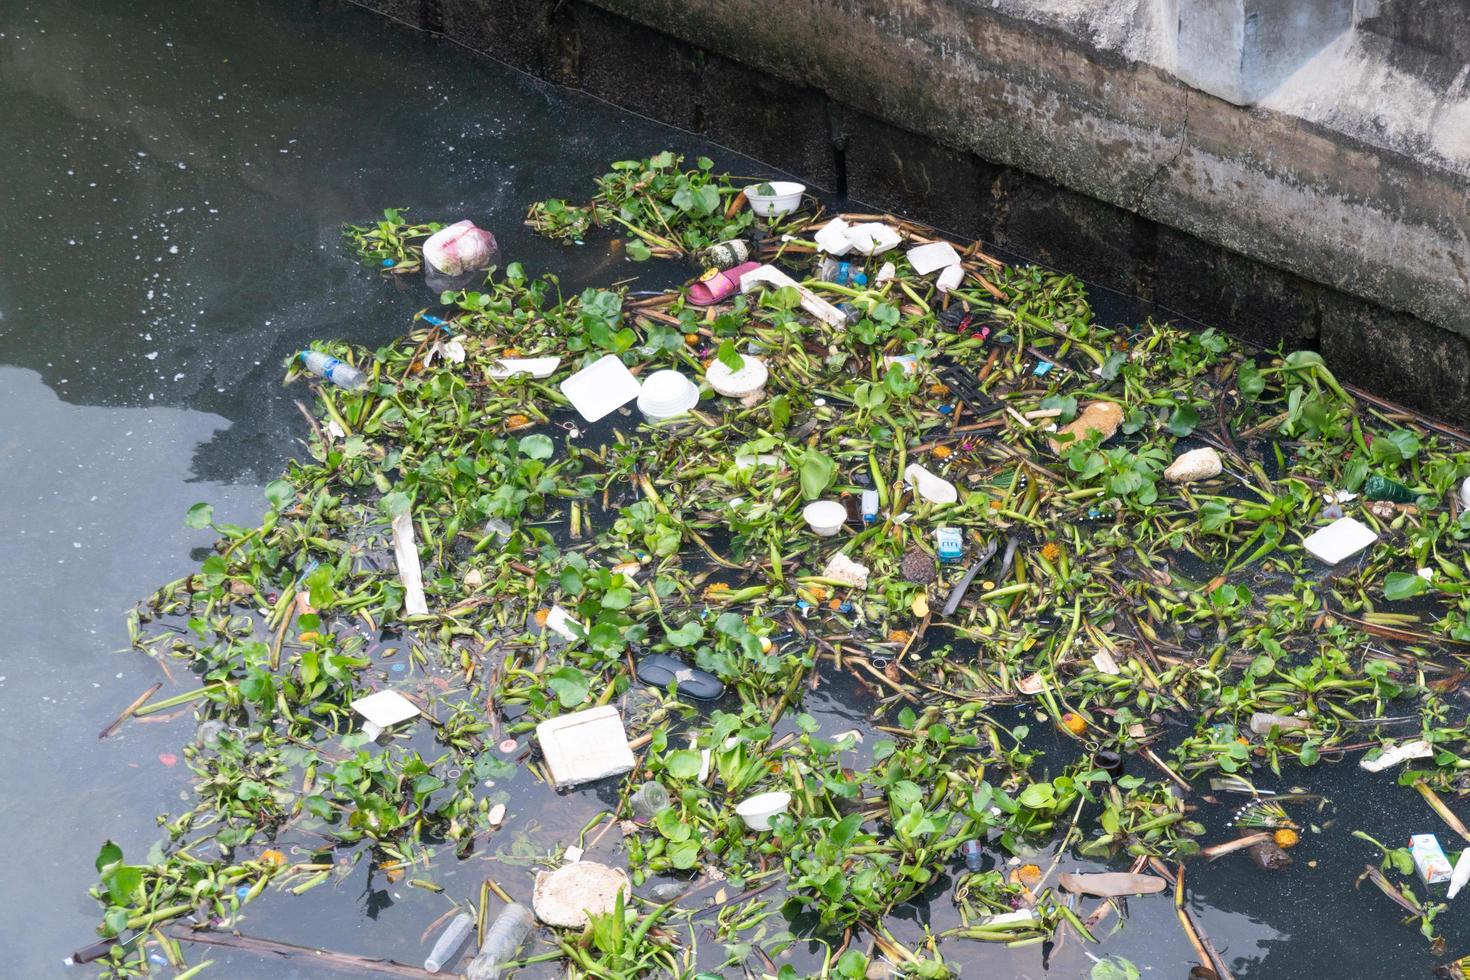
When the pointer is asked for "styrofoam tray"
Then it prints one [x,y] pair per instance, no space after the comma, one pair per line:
[1339,540]
[601,388]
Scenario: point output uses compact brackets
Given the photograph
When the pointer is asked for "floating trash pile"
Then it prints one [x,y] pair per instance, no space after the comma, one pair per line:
[617,541]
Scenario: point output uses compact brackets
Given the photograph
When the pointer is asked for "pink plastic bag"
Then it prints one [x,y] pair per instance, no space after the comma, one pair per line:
[460,248]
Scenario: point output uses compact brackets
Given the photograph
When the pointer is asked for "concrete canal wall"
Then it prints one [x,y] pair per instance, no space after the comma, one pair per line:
[1292,171]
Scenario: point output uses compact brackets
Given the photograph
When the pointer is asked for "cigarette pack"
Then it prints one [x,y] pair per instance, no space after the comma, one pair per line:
[1429,859]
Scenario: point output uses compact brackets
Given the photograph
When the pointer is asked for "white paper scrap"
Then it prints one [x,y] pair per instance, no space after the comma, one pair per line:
[536,367]
[406,551]
[560,623]
[385,709]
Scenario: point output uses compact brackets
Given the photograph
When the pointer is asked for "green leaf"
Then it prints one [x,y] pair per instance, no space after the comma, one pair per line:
[729,356]
[200,516]
[110,854]
[1402,585]
[1114,968]
[684,855]
[817,471]
[1183,421]
[843,833]
[618,598]
[687,635]
[637,250]
[570,685]
[683,763]
[124,882]
[1037,796]
[280,493]
[395,503]
[536,446]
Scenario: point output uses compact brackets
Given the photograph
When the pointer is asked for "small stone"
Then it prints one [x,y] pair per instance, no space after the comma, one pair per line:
[1197,464]
[1104,417]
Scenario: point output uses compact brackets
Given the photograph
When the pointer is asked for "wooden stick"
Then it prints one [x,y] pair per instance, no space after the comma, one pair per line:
[128,711]
[346,962]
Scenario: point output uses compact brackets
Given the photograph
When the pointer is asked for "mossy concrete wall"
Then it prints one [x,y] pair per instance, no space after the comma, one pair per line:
[1331,213]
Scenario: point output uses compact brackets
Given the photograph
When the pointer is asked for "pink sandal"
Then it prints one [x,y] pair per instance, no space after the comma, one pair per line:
[717,285]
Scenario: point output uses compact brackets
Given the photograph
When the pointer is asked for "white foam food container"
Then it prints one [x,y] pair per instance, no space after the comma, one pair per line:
[933,257]
[601,388]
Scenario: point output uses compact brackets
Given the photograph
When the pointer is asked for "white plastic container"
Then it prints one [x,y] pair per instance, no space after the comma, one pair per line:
[758,810]
[748,382]
[666,394]
[785,197]
[825,517]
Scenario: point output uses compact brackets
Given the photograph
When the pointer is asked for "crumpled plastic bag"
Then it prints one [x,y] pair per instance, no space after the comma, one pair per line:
[460,248]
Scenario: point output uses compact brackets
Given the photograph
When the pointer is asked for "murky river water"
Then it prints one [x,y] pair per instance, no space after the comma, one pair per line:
[174,176]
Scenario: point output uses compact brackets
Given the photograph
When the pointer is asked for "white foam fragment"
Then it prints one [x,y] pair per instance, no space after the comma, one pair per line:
[1339,540]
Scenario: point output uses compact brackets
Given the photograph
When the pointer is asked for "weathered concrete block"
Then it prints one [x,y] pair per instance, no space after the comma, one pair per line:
[1258,303]
[532,35]
[1436,26]
[914,176]
[1073,233]
[638,68]
[410,12]
[773,120]
[1397,357]
[1239,50]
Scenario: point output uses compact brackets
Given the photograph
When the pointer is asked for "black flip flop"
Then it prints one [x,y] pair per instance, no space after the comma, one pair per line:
[658,669]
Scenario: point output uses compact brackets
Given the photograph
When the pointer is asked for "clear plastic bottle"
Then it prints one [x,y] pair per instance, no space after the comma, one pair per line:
[502,943]
[451,940]
[340,373]
[1262,722]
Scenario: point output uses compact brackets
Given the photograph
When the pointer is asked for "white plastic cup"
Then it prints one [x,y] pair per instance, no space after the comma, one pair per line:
[825,517]
[786,197]
[758,810]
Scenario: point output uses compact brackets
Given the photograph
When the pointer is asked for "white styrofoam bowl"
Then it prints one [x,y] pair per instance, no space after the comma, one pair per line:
[825,517]
[758,810]
[787,198]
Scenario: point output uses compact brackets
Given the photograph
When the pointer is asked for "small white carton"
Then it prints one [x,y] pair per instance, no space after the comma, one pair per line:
[1429,859]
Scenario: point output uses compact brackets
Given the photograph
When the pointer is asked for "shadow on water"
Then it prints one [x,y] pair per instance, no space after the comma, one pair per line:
[175,177]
